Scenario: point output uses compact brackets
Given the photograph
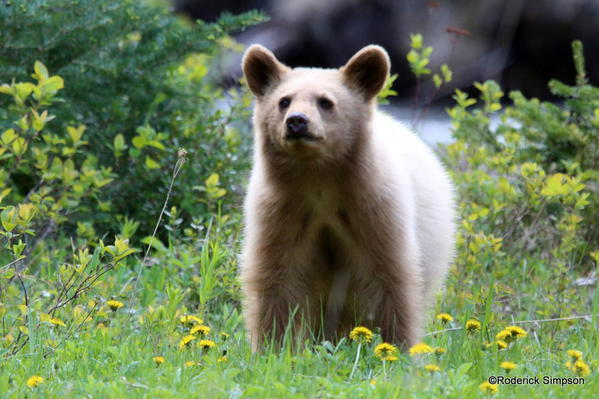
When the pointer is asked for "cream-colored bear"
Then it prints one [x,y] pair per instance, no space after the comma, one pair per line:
[349,217]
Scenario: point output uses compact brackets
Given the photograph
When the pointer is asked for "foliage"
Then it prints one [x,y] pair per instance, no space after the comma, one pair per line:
[533,177]
[418,58]
[130,82]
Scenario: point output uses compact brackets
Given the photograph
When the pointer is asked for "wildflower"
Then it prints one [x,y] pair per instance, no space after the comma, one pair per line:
[224,336]
[501,345]
[34,381]
[361,335]
[472,326]
[182,152]
[384,351]
[206,344]
[420,348]
[504,335]
[444,317]
[190,363]
[432,368]
[372,381]
[574,354]
[517,332]
[114,305]
[439,351]
[186,340]
[56,322]
[202,330]
[222,359]
[507,366]
[580,368]
[158,360]
[488,387]
[190,320]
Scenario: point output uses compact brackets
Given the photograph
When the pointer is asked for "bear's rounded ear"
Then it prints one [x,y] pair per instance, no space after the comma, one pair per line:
[367,70]
[261,69]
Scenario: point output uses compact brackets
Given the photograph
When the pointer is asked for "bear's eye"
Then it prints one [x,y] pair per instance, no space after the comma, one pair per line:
[325,103]
[284,103]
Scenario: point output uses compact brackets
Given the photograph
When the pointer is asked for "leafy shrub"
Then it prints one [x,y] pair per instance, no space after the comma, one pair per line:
[128,81]
[527,182]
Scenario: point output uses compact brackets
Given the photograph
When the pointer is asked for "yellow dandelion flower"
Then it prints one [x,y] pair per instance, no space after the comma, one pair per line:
[158,360]
[372,381]
[501,345]
[516,332]
[574,354]
[34,381]
[432,368]
[224,336]
[361,335]
[114,305]
[439,351]
[488,387]
[508,366]
[420,348]
[202,330]
[384,351]
[186,340]
[222,359]
[392,358]
[472,326]
[190,320]
[504,335]
[444,317]
[190,363]
[206,344]
[56,322]
[580,368]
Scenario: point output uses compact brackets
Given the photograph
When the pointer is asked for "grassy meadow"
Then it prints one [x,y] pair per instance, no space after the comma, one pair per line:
[123,164]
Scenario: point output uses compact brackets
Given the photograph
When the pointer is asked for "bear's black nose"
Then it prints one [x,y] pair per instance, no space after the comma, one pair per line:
[297,125]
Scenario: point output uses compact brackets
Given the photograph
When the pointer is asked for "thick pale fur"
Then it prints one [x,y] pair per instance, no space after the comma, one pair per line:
[354,228]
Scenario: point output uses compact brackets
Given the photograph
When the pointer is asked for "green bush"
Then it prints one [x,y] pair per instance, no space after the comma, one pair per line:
[527,180]
[129,80]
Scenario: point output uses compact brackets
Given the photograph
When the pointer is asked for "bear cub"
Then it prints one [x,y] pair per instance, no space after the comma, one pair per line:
[349,216]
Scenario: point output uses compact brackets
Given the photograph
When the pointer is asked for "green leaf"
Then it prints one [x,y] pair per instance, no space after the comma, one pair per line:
[8,136]
[139,142]
[119,144]
[53,84]
[8,217]
[75,133]
[151,164]
[41,72]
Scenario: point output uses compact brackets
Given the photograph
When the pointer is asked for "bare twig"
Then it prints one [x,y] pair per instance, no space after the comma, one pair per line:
[515,322]
[176,171]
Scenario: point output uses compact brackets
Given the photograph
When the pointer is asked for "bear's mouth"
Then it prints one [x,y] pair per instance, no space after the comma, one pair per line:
[301,136]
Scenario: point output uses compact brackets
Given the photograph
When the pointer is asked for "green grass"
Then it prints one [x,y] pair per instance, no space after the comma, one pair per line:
[82,359]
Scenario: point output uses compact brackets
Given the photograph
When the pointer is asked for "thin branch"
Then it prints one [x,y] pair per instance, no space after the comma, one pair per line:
[515,322]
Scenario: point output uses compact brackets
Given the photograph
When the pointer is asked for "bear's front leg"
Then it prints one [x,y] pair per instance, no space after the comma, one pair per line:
[271,307]
[399,315]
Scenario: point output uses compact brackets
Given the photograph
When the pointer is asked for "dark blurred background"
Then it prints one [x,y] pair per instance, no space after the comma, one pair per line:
[521,44]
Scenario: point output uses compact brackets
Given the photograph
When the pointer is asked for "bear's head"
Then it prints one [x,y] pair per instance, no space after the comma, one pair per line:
[311,114]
